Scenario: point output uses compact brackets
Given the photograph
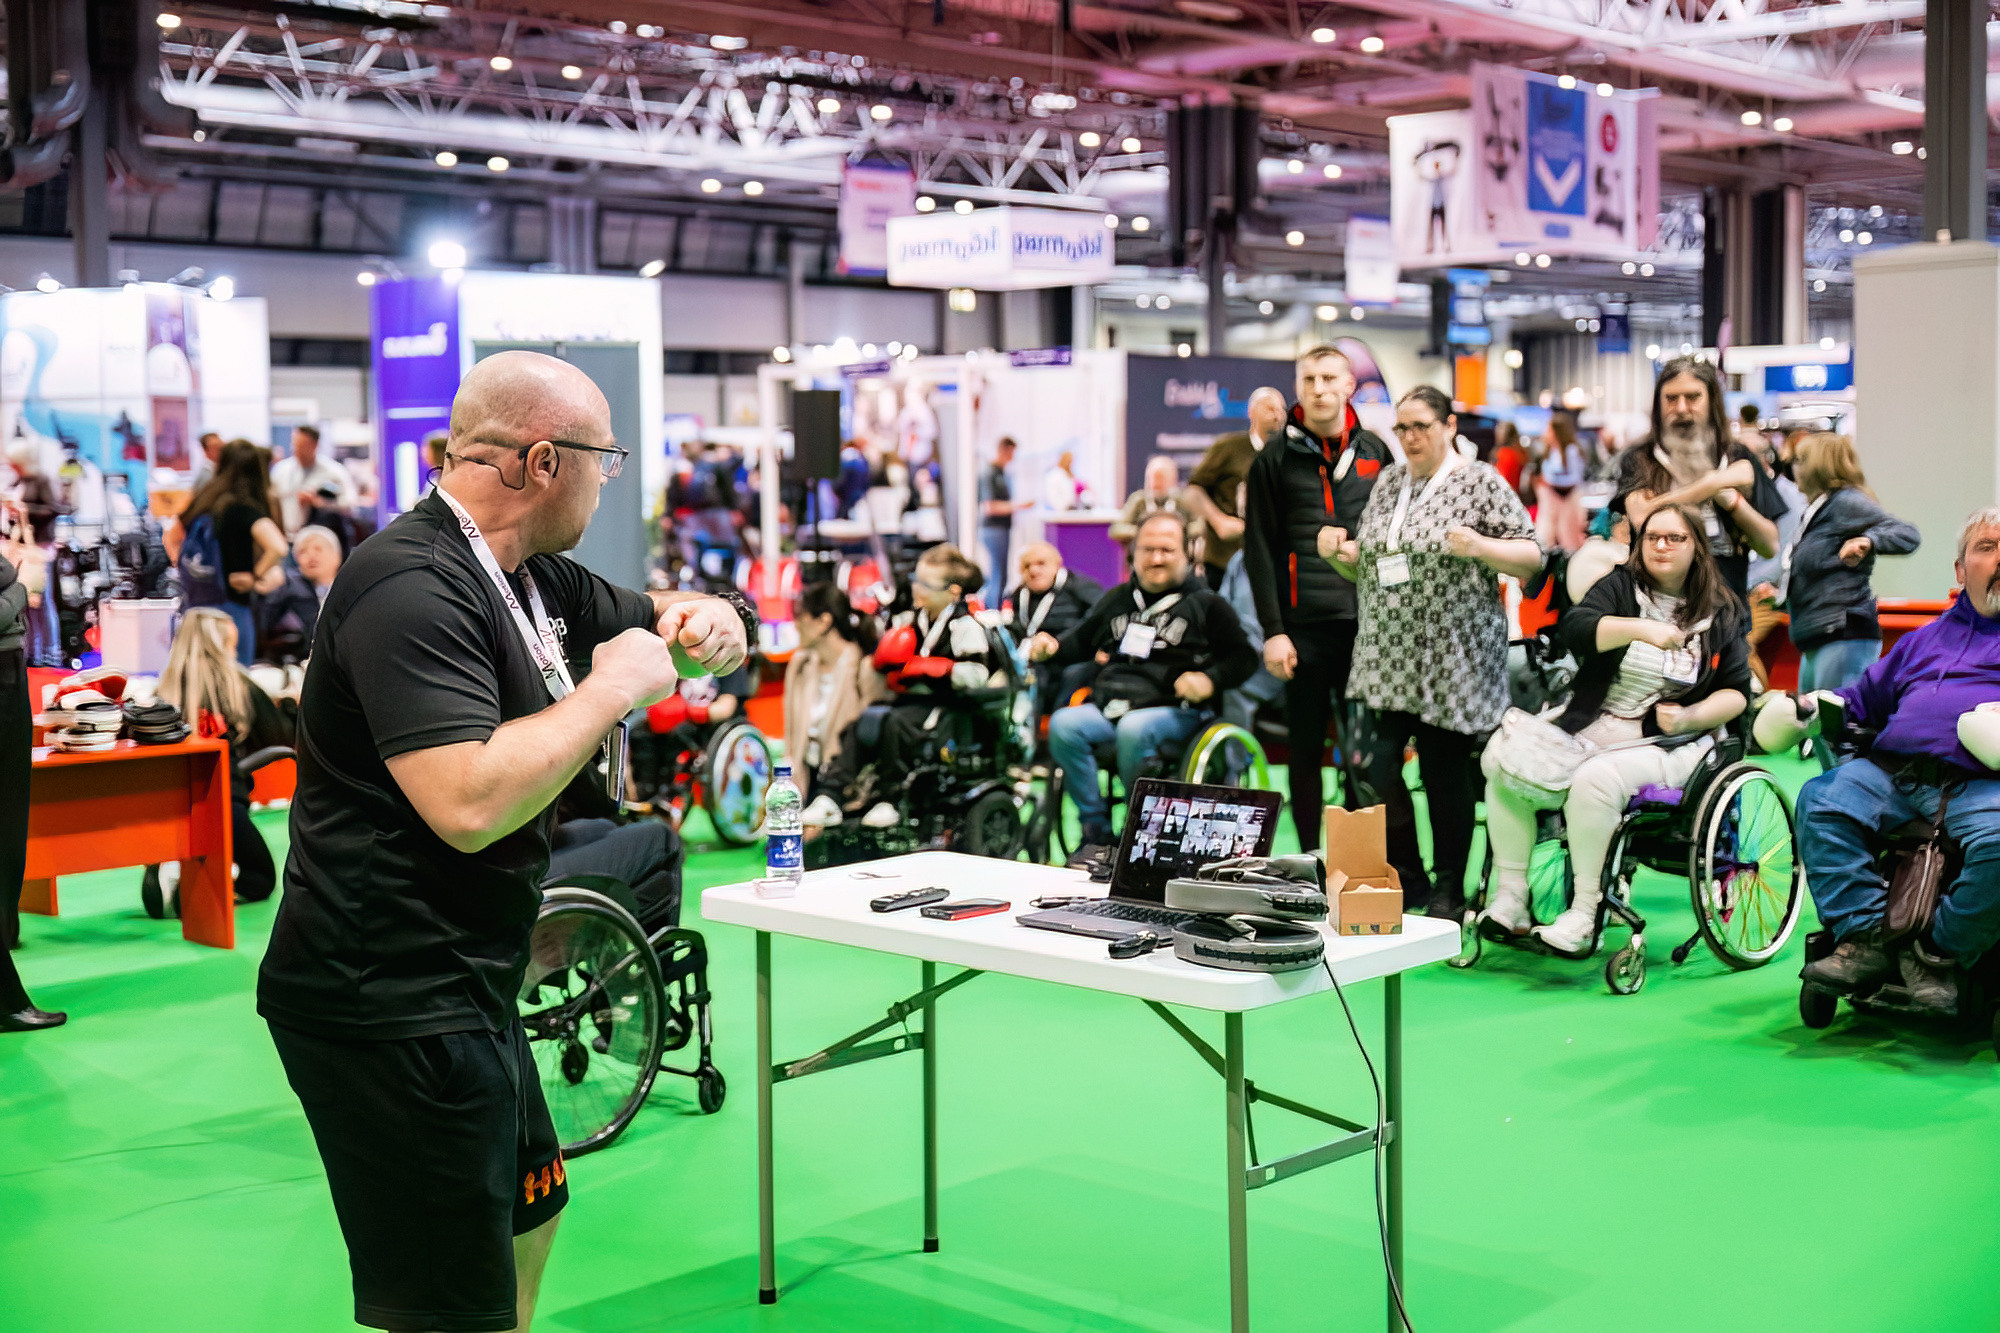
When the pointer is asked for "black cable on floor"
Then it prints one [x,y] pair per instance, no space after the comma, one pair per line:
[1381,1122]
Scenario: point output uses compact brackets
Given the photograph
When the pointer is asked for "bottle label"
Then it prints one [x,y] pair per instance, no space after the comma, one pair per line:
[784,851]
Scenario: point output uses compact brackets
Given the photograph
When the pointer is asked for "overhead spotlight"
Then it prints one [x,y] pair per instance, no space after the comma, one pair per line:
[1295,238]
[500,64]
[725,43]
[497,163]
[711,186]
[1326,314]
[1847,235]
[781,354]
[167,22]
[650,30]
[1183,349]
[911,351]
[1111,221]
[1566,82]
[1645,270]
[572,71]
[1542,261]
[1144,301]
[1164,303]
[925,203]
[829,106]
[895,348]
[200,136]
[1324,35]
[652,268]
[1628,268]
[1864,238]
[753,188]
[868,350]
[1331,171]
[1826,344]
[962,299]
[617,26]
[1687,349]
[1753,118]
[1358,313]
[45,283]
[1920,154]
[1296,167]
[1605,90]
[367,277]
[190,276]
[1875,211]
[1132,144]
[881,111]
[1523,258]
[447,254]
[1090,138]
[446,158]
[1142,224]
[1373,44]
[1902,148]
[962,207]
[1819,284]
[1783,124]
[1512,358]
[223,288]
[1265,307]
[1652,351]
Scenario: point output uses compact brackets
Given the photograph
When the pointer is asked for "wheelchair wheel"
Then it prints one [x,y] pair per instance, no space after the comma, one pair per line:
[993,826]
[594,1007]
[1817,1007]
[1743,868]
[1225,755]
[709,1089]
[733,781]
[1625,971]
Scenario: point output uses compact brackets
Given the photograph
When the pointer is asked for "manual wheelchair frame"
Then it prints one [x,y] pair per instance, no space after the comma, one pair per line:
[1729,830]
[1221,754]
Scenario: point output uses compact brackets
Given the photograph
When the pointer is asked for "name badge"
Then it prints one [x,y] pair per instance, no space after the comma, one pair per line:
[1392,571]
[1681,668]
[1138,640]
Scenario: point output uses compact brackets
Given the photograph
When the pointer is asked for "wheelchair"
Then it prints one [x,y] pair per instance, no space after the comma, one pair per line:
[603,1000]
[1728,830]
[1221,754]
[724,767]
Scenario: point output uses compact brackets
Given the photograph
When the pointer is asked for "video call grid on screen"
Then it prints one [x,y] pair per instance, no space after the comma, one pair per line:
[1179,828]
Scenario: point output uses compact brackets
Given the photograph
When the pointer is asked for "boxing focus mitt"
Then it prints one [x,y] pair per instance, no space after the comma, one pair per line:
[1979,733]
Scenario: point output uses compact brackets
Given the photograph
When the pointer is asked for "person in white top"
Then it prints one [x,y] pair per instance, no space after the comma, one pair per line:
[300,479]
[1061,491]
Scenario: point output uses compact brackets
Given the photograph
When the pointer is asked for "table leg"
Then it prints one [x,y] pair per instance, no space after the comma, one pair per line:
[930,1116]
[1392,1097]
[208,889]
[38,896]
[767,1256]
[1239,1194]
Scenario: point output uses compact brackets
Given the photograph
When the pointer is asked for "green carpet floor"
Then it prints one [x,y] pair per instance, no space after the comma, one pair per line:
[1687,1158]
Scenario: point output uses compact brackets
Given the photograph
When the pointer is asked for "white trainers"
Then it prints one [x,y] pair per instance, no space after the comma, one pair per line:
[1507,913]
[1573,934]
[882,815]
[822,813]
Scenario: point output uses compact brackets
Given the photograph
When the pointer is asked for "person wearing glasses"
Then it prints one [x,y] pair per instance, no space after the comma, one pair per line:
[1662,654]
[1430,657]
[439,723]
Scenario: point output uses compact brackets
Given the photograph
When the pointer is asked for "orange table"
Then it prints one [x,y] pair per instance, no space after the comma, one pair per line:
[130,806]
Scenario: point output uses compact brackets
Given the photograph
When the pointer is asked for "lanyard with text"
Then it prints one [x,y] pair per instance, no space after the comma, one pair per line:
[1142,631]
[1792,546]
[1048,600]
[538,635]
[1392,569]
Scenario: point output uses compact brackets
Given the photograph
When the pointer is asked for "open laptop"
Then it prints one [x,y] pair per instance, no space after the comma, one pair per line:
[1172,829]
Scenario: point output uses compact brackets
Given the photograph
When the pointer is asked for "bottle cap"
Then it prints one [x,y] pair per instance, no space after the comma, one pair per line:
[782,771]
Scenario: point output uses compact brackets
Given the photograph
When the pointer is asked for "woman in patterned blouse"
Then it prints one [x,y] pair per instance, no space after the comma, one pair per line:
[1430,658]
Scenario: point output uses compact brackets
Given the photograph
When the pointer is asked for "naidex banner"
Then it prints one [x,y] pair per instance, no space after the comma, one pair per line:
[1179,405]
[870,194]
[1000,249]
[418,363]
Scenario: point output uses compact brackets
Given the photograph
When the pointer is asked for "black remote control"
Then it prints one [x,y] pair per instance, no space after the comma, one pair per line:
[896,902]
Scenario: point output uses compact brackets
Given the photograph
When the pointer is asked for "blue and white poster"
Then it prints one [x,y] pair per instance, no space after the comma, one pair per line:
[1560,170]
[1557,156]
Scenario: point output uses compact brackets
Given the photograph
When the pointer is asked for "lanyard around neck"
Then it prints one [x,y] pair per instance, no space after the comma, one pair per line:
[538,634]
[1048,600]
[1445,465]
[1149,614]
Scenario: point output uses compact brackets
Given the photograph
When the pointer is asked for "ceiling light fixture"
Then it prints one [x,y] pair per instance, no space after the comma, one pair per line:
[1111,221]
[1183,349]
[1090,138]
[725,43]
[1826,344]
[753,188]
[962,207]
[167,22]
[652,268]
[1326,313]
[1652,351]
[1164,303]
[1605,90]
[1373,44]
[447,158]
[446,254]
[829,106]
[222,289]
[1542,261]
[925,203]
[711,186]
[781,354]
[1142,224]
[1144,301]
[1566,82]
[1324,35]
[497,163]
[1753,118]
[1358,313]
[881,111]
[1645,270]
[1819,284]
[1265,307]
[45,283]
[1523,258]
[1295,166]
[500,64]
[1132,144]
[1902,148]
[1295,238]
[572,71]
[367,277]
[1331,171]
[1628,268]
[1783,124]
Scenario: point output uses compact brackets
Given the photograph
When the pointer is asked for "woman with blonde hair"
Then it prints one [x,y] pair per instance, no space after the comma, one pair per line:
[1824,570]
[202,676]
[1560,521]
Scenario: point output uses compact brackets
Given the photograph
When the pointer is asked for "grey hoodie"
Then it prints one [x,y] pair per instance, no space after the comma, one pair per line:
[1826,599]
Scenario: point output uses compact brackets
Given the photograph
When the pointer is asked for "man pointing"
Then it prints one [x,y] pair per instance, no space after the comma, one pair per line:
[439,721]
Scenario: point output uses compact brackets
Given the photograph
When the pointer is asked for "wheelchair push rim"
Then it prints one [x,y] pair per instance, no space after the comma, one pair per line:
[593,1005]
[738,775]
[1225,755]
[1744,876]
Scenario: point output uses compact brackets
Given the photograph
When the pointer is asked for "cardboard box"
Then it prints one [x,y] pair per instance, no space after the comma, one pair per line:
[1364,890]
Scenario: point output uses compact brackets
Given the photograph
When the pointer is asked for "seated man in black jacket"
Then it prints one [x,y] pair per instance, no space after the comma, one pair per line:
[1050,600]
[1169,647]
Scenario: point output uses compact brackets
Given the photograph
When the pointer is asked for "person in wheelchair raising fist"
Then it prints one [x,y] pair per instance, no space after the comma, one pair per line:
[943,664]
[1168,647]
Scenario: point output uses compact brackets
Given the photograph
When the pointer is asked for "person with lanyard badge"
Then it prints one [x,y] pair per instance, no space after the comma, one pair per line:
[438,725]
[1316,473]
[1431,655]
[1169,646]
[1050,598]
[1824,571]
[828,681]
[1662,654]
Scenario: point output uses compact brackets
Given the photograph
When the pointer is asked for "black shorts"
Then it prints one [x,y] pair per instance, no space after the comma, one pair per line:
[439,1151]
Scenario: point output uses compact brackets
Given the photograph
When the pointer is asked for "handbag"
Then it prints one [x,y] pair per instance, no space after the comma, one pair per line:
[1534,758]
[1918,880]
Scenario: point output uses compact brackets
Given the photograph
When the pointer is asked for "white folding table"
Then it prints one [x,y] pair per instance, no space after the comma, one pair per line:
[832,906]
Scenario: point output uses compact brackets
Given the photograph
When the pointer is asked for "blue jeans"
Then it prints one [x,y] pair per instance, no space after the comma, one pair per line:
[1841,814]
[995,541]
[1140,734]
[246,630]
[1836,663]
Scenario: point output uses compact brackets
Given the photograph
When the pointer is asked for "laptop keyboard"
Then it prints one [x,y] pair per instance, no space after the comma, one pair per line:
[1148,916]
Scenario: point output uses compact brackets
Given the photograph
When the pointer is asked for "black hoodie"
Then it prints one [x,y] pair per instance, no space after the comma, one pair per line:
[1197,631]
[1299,484]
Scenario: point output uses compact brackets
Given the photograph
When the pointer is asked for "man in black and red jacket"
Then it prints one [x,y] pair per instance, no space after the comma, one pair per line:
[1317,473]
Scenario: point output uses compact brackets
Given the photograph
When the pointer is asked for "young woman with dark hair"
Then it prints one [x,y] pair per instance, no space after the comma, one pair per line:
[231,516]
[1661,647]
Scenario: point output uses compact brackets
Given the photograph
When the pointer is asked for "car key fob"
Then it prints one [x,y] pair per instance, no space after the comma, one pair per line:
[1133,945]
[896,902]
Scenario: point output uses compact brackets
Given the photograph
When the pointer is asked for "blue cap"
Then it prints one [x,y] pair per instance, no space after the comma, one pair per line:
[782,771]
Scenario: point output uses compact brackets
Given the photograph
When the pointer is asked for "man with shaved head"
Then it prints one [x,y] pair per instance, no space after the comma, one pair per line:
[439,721]
[1214,490]
[1049,599]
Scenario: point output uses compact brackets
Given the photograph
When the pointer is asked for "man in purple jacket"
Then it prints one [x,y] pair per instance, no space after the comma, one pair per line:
[1913,698]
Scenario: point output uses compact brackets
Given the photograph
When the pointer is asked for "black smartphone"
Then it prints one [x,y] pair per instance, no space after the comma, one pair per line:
[965,907]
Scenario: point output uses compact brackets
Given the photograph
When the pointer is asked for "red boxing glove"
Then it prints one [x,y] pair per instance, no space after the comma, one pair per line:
[698,714]
[929,668]
[898,646]
[667,714]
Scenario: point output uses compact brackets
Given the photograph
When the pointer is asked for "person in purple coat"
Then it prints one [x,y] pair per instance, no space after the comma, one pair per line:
[1913,699]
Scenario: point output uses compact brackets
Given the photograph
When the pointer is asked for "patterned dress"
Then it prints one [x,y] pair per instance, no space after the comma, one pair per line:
[1436,646]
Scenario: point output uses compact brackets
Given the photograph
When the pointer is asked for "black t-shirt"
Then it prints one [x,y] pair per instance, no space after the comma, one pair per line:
[239,548]
[385,931]
[997,487]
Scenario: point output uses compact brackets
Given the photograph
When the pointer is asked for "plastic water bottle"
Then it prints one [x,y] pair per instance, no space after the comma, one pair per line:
[784,851]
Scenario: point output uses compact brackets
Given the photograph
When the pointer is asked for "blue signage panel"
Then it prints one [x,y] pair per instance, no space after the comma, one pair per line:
[417,371]
[1614,334]
[1179,405]
[1557,152]
[1811,377]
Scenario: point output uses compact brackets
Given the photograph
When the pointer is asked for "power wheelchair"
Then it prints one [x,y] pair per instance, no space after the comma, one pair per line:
[1728,830]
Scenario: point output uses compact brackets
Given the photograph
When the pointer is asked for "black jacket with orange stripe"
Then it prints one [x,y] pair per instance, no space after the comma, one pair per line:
[1295,488]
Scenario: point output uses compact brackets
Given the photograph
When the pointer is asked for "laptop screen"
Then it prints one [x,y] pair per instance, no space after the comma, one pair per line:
[1172,829]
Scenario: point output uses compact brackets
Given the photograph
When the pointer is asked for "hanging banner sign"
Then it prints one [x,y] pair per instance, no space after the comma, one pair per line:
[870,194]
[1000,249]
[1430,190]
[1372,270]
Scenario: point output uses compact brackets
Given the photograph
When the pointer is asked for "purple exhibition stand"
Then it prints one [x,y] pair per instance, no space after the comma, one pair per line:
[1086,545]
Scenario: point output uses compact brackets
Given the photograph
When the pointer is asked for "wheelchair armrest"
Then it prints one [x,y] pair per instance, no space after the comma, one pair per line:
[265,757]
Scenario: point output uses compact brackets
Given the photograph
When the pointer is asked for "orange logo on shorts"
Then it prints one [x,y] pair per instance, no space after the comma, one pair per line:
[547,1179]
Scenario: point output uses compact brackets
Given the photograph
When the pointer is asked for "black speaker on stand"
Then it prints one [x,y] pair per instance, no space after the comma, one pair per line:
[815,458]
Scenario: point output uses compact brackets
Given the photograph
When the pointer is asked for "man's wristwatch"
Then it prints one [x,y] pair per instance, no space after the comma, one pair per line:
[746,613]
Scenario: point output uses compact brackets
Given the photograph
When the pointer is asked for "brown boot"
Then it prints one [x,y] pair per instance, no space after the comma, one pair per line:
[1931,978]
[1857,963]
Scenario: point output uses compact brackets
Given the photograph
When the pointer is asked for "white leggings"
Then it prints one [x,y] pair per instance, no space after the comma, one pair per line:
[1596,803]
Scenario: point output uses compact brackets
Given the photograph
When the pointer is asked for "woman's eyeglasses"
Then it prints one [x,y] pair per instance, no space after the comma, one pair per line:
[1670,540]
[1407,428]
